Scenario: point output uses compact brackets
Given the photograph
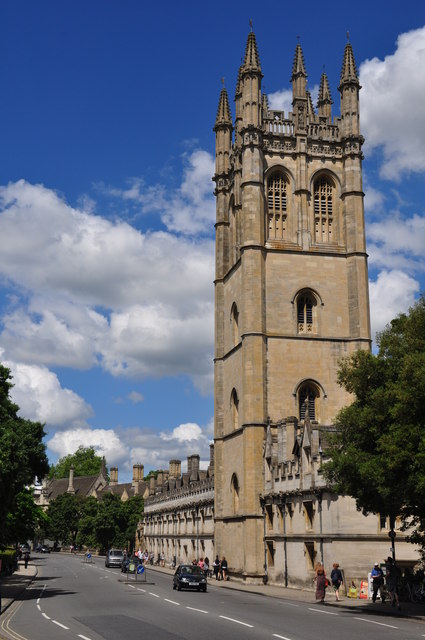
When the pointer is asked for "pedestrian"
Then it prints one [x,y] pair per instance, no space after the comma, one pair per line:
[162,559]
[216,567]
[206,567]
[377,576]
[336,579]
[26,558]
[321,583]
[224,569]
[392,575]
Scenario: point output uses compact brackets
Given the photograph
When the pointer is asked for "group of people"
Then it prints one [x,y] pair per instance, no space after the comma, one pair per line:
[220,568]
[390,579]
[322,582]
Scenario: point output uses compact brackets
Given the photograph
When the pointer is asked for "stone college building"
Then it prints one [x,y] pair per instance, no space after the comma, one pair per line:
[291,300]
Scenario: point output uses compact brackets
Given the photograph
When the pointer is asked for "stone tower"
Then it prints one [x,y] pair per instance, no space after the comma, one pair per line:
[291,286]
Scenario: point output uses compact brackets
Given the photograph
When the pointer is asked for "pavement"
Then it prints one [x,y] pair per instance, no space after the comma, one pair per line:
[12,588]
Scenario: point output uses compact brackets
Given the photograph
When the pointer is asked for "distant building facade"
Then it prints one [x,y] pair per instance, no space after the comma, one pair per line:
[178,519]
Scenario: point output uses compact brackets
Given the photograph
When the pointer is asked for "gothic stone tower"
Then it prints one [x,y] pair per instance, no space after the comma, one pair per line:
[291,287]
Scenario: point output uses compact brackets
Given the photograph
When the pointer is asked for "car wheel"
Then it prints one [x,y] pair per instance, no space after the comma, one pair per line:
[179,587]
[205,589]
[174,586]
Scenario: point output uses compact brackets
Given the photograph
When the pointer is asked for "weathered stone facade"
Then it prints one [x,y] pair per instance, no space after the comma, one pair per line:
[291,299]
[178,519]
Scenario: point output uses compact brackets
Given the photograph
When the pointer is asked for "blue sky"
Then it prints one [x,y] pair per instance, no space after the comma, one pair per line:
[107,208]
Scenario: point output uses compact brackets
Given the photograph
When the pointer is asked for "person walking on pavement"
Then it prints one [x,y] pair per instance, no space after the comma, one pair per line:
[321,583]
[377,576]
[216,567]
[26,558]
[336,579]
[223,569]
[392,574]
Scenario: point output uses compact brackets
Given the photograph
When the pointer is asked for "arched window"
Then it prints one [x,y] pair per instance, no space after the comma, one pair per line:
[306,313]
[234,407]
[234,320]
[234,486]
[323,209]
[308,400]
[277,205]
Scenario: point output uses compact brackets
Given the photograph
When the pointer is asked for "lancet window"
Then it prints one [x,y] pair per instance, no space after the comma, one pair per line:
[277,205]
[323,209]
[306,313]
[308,398]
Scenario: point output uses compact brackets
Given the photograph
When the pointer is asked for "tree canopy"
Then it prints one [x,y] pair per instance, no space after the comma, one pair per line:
[378,450]
[22,453]
[85,461]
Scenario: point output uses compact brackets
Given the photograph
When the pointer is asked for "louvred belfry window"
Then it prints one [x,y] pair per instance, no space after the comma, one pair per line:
[277,185]
[306,304]
[308,392]
[323,209]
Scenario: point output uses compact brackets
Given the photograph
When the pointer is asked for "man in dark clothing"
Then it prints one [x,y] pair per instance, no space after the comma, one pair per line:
[392,574]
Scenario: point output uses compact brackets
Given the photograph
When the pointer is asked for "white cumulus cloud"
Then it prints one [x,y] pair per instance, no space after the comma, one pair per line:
[392,292]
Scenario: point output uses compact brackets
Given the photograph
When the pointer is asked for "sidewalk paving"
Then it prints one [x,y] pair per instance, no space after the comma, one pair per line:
[11,587]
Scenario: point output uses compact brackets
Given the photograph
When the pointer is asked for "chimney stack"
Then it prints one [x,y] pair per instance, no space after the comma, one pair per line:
[114,476]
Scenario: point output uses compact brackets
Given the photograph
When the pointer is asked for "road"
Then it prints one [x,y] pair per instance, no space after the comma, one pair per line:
[73,599]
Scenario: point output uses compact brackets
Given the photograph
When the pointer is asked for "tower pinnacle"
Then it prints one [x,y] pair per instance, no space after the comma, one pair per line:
[324,100]
[349,69]
[252,60]
[223,111]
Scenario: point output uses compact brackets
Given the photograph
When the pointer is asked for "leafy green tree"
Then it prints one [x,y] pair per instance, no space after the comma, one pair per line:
[110,522]
[86,530]
[85,462]
[22,452]
[133,511]
[25,517]
[64,514]
[378,450]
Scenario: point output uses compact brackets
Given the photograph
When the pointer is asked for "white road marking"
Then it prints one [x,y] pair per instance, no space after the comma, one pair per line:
[153,594]
[38,607]
[381,624]
[172,601]
[60,624]
[283,637]
[193,609]
[329,613]
[83,637]
[38,600]
[290,604]
[245,624]
[45,616]
[138,589]
[131,586]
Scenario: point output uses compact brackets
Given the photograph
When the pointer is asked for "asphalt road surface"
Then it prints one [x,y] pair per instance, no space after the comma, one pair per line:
[71,599]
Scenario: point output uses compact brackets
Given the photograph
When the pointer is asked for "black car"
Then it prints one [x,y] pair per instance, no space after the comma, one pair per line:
[41,548]
[189,576]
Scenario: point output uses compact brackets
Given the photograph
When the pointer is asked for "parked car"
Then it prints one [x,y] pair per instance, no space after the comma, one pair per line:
[42,548]
[114,558]
[189,576]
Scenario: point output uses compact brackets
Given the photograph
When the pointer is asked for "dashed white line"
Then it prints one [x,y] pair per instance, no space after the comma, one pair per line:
[131,586]
[381,624]
[172,601]
[329,613]
[45,616]
[138,589]
[60,624]
[275,635]
[153,594]
[38,607]
[290,604]
[245,624]
[38,600]
[83,637]
[200,610]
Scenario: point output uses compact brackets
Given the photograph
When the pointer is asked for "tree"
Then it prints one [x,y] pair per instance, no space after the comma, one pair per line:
[22,452]
[85,462]
[65,513]
[25,517]
[378,449]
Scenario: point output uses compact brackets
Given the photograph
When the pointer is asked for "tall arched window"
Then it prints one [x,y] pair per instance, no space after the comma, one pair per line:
[234,321]
[277,205]
[323,209]
[306,313]
[234,408]
[308,400]
[234,485]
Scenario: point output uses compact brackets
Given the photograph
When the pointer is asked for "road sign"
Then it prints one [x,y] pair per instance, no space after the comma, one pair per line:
[140,569]
[89,556]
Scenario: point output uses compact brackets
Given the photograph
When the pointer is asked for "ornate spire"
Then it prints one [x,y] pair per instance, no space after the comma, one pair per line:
[252,60]
[324,99]
[223,111]
[349,69]
[298,68]
[265,105]
[310,107]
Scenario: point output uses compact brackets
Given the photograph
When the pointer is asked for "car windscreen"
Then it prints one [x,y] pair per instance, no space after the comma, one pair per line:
[191,570]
